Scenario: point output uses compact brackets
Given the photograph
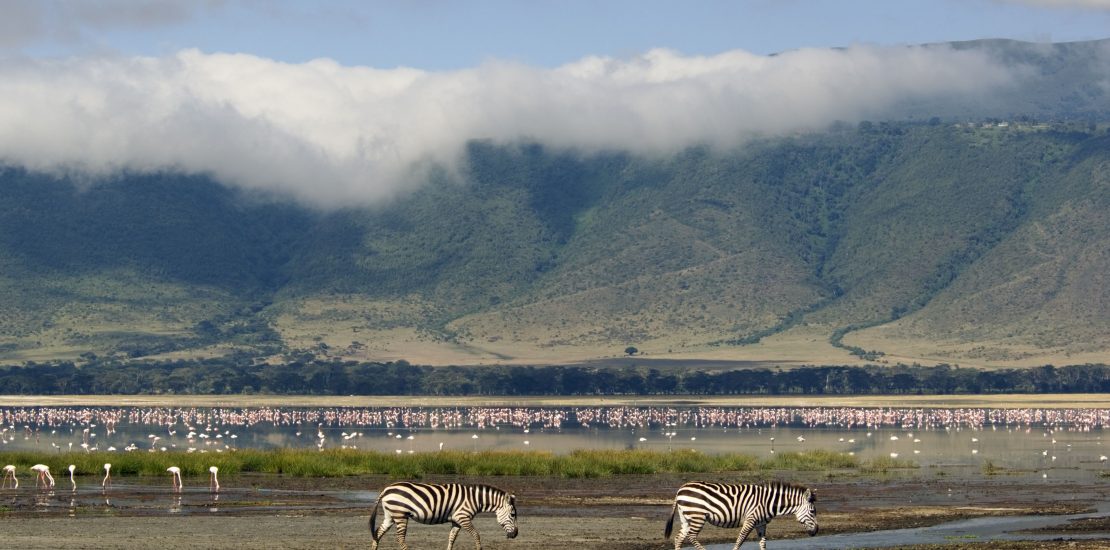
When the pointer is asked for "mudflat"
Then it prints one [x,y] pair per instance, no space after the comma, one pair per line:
[619,512]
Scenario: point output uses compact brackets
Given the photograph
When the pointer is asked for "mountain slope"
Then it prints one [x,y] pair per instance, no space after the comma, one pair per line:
[977,243]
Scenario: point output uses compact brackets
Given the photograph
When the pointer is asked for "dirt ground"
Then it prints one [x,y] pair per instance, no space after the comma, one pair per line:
[621,513]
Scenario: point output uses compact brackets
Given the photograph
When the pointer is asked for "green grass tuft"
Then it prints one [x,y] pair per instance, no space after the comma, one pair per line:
[337,463]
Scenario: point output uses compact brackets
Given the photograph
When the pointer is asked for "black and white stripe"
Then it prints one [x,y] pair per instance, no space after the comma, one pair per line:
[432,503]
[743,506]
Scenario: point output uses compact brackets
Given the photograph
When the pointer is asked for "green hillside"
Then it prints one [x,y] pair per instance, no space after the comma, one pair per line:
[930,238]
[920,240]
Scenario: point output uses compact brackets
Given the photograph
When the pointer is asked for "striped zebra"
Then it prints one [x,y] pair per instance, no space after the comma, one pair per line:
[743,506]
[441,503]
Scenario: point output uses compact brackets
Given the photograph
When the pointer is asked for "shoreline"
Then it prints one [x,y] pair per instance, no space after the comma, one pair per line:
[992,401]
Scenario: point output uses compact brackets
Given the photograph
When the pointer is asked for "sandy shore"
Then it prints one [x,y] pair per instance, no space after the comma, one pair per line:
[622,513]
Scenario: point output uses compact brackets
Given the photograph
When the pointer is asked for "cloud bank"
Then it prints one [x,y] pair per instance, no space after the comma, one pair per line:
[334,135]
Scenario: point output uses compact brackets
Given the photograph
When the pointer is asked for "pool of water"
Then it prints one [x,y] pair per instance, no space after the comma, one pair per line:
[969,530]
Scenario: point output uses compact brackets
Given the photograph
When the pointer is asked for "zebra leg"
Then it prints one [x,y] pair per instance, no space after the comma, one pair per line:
[744,531]
[402,529]
[691,526]
[454,533]
[761,530]
[466,524]
[387,522]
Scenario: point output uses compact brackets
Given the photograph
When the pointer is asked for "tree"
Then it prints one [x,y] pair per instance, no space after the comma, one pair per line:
[631,350]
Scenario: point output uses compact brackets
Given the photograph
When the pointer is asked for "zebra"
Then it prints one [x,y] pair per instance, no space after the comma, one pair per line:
[441,503]
[743,506]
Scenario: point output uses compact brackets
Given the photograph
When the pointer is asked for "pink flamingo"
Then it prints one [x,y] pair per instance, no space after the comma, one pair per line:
[71,481]
[44,475]
[9,473]
[176,472]
[214,482]
[107,475]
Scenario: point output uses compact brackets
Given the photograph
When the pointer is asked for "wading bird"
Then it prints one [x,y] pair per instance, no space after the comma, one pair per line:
[9,473]
[213,481]
[44,475]
[176,473]
[107,482]
[71,481]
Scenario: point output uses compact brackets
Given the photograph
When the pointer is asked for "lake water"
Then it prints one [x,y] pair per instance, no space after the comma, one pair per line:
[1056,441]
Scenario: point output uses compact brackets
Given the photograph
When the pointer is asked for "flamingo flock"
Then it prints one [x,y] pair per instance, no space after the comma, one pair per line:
[46,481]
[215,429]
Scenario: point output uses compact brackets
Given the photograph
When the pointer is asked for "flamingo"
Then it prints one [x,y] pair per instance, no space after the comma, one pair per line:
[9,473]
[214,482]
[107,476]
[176,473]
[71,469]
[44,475]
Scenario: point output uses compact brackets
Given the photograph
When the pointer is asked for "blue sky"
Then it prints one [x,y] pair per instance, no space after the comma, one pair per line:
[439,35]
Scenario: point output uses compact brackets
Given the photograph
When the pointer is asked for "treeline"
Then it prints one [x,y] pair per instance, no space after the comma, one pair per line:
[333,377]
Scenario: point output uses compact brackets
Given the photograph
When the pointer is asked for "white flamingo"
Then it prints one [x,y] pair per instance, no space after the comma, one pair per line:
[71,481]
[107,482]
[176,473]
[9,473]
[44,475]
[214,482]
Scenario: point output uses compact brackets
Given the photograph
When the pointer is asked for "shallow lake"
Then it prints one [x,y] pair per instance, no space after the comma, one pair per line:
[1057,442]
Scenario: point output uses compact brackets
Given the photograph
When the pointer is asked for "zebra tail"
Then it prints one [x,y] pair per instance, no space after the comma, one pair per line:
[670,521]
[374,520]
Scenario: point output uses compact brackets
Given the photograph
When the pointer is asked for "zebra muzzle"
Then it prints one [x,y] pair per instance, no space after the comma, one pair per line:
[812,530]
[511,534]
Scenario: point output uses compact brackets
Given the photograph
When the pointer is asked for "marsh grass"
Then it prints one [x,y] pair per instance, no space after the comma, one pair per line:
[340,462]
[882,465]
[990,468]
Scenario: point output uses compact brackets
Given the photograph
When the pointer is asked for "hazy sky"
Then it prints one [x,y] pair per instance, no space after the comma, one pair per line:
[335,102]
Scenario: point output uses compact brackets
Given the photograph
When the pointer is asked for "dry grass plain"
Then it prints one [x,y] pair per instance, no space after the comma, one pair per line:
[359,329]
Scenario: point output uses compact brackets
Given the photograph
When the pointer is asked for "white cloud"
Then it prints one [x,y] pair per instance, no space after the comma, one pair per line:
[334,135]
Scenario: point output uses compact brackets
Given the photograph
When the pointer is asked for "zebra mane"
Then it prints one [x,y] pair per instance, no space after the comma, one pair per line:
[494,490]
[497,493]
[786,485]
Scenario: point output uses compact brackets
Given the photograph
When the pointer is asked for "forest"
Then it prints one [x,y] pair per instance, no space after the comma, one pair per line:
[334,377]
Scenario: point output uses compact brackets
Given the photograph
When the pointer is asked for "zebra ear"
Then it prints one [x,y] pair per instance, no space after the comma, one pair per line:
[512,500]
[812,496]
